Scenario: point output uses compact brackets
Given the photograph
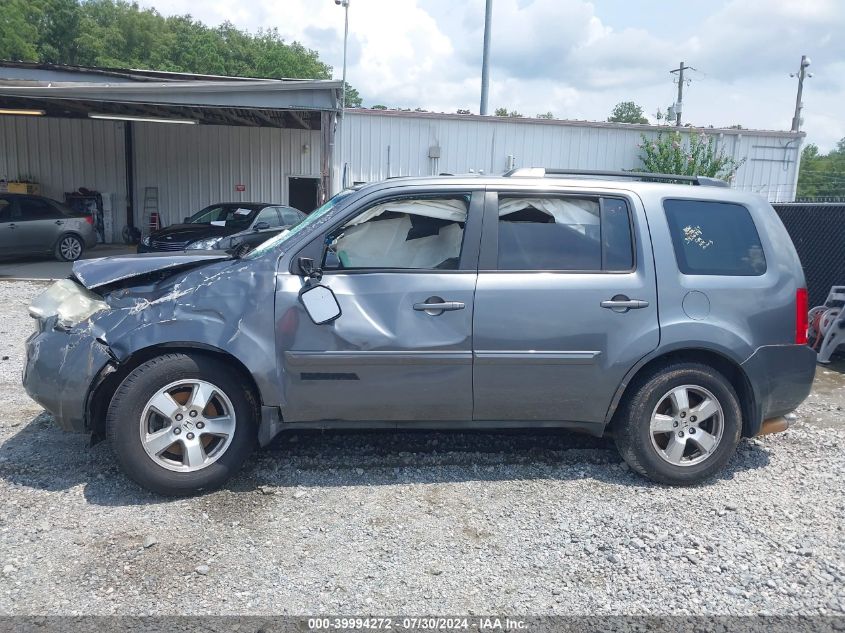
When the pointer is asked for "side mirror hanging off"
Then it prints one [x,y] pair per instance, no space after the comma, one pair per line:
[309,269]
[320,303]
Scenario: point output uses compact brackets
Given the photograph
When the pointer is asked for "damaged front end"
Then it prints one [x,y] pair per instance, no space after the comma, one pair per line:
[116,312]
[70,303]
[65,353]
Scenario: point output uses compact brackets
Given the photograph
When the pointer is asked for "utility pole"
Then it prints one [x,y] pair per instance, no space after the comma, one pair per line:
[345,5]
[801,74]
[485,59]
[339,146]
[679,105]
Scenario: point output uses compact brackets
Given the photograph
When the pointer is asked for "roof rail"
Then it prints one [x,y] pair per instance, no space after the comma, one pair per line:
[542,172]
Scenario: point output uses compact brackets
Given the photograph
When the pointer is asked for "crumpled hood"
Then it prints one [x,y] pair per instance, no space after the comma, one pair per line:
[93,273]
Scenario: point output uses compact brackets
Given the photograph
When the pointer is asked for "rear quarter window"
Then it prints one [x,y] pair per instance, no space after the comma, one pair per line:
[714,238]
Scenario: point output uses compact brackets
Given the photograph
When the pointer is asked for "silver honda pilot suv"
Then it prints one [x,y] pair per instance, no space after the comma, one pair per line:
[667,312]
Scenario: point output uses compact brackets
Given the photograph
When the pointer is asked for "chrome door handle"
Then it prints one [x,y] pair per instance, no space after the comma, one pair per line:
[59,222]
[435,306]
[621,303]
[442,306]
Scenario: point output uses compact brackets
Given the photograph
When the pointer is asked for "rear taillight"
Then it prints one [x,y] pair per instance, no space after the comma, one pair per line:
[89,219]
[801,316]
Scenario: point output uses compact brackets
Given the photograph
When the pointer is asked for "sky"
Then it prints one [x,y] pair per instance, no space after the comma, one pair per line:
[574,58]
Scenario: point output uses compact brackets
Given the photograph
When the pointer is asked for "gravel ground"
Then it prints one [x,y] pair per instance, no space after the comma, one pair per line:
[419,523]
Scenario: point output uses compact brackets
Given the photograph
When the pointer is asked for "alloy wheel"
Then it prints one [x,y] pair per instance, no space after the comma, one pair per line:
[687,425]
[70,248]
[187,425]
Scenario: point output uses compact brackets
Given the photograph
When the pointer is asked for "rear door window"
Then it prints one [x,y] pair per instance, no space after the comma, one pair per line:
[714,238]
[35,209]
[564,233]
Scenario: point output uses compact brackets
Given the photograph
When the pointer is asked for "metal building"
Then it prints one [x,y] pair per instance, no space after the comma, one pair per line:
[196,140]
[377,144]
[193,139]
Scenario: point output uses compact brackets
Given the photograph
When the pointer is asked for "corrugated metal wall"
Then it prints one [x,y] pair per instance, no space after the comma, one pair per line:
[64,155]
[196,165]
[192,166]
[378,145]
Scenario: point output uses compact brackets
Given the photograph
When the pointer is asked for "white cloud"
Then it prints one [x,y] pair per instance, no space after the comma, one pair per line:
[562,55]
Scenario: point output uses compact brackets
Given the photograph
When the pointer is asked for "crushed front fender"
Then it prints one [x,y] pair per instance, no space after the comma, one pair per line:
[60,368]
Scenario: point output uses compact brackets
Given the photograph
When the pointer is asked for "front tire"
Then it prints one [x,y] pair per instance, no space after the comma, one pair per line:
[181,424]
[69,248]
[680,425]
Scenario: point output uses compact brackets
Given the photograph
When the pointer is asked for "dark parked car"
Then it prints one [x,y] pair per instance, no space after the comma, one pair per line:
[237,227]
[34,225]
[672,316]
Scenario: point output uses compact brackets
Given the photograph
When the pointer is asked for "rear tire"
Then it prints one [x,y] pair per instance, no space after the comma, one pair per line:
[680,424]
[181,424]
[69,248]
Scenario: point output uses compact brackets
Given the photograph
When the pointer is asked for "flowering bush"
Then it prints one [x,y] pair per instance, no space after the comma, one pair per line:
[669,154]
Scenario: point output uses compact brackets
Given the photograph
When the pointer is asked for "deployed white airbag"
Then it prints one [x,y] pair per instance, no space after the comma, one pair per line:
[564,210]
[455,210]
[370,243]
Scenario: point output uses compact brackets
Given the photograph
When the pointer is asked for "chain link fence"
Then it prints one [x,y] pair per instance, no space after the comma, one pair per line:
[818,232]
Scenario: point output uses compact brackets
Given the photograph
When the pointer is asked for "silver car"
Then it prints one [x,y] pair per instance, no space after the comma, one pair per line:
[34,225]
[670,316]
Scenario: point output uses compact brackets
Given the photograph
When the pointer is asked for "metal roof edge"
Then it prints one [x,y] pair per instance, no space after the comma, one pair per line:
[573,123]
[258,85]
[140,75]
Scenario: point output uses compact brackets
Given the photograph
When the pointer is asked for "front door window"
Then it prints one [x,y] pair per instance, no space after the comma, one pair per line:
[424,233]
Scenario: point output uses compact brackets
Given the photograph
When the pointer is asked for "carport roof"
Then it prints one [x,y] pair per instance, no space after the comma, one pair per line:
[77,91]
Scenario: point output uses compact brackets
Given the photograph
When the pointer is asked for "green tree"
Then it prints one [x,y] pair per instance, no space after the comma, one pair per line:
[627,112]
[57,30]
[546,115]
[19,20]
[822,175]
[353,99]
[695,155]
[378,106]
[501,112]
[121,34]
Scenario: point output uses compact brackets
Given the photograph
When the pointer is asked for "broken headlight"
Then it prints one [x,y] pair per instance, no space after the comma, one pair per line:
[68,301]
